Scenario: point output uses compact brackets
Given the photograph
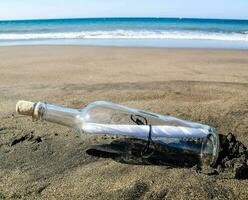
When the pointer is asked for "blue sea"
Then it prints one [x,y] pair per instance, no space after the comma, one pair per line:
[132,32]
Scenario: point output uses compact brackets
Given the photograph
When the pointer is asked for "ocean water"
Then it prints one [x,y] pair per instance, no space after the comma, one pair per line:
[154,32]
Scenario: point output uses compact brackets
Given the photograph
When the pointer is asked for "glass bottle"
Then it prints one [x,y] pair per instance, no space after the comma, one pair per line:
[182,139]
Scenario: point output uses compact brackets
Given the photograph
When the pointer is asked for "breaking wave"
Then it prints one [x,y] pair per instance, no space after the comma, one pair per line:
[130,34]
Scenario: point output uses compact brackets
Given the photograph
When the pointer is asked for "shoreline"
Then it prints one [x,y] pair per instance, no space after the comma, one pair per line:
[119,47]
[134,43]
[125,47]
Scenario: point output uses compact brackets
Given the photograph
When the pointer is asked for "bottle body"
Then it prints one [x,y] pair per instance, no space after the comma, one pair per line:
[180,137]
[176,135]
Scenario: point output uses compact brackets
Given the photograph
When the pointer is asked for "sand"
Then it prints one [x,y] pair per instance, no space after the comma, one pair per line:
[46,161]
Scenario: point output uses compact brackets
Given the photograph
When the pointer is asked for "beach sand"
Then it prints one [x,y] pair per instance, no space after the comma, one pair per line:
[49,161]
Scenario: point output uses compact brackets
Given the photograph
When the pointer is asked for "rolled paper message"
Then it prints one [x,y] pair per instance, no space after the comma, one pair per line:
[143,130]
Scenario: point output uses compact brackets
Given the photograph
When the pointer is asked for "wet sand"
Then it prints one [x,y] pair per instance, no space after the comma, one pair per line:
[47,161]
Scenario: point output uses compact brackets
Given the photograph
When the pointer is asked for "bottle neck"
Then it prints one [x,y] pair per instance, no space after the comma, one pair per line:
[57,114]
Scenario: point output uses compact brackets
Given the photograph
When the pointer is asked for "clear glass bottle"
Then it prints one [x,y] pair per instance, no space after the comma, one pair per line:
[180,137]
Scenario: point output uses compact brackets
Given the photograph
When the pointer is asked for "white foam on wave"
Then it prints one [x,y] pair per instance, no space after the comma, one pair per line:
[129,34]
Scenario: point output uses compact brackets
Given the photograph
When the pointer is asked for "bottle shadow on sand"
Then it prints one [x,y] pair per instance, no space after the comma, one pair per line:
[136,151]
[233,156]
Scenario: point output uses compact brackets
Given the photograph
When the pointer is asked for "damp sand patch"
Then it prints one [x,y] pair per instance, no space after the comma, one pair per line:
[232,160]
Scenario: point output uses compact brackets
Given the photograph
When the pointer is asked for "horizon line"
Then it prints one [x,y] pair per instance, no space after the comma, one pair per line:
[75,18]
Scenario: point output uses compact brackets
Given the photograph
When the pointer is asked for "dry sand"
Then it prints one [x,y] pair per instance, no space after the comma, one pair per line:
[47,161]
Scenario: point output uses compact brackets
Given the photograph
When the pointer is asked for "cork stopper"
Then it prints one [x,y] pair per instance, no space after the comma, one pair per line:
[25,108]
